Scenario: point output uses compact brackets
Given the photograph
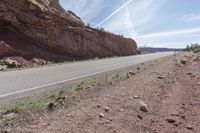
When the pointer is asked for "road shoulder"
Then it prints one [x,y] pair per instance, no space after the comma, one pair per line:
[115,106]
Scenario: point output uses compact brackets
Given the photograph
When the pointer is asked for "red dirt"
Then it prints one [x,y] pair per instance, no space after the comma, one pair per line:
[175,97]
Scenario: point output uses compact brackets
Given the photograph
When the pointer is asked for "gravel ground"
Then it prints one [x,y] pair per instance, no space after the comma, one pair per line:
[164,98]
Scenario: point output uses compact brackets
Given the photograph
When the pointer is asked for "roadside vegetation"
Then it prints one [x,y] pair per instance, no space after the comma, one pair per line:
[56,99]
[140,94]
[193,47]
[196,49]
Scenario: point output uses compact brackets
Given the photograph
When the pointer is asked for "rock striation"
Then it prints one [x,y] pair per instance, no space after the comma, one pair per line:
[42,29]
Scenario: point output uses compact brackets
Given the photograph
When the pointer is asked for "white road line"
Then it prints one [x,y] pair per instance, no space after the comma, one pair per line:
[63,81]
[72,79]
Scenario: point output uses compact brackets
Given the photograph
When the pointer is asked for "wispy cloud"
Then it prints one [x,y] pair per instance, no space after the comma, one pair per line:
[171,33]
[177,38]
[134,17]
[191,17]
[115,12]
[86,9]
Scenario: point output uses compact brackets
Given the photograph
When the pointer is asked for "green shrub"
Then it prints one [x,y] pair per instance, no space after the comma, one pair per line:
[197,50]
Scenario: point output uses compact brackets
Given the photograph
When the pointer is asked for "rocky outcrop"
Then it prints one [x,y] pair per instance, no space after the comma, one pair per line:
[43,29]
[10,63]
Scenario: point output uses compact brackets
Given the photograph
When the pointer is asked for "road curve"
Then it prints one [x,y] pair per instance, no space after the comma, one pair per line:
[19,81]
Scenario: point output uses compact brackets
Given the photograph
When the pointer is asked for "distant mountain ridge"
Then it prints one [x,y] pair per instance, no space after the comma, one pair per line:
[153,49]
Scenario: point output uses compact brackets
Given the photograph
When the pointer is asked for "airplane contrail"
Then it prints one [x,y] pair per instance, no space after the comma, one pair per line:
[116,11]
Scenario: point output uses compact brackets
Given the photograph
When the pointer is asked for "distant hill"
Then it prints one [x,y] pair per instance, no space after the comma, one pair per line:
[152,49]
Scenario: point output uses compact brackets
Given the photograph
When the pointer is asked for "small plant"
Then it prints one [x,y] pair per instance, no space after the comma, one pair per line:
[98,83]
[79,88]
[175,59]
[57,96]
[14,109]
[197,58]
[128,75]
[197,50]
[116,76]
[88,25]
[21,106]
[82,86]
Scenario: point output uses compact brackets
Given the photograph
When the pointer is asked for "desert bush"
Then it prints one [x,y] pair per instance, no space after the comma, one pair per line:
[197,50]
[193,47]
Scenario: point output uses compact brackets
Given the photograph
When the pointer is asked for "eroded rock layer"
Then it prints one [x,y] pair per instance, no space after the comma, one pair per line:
[43,29]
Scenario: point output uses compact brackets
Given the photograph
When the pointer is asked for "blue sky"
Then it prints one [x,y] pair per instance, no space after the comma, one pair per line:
[159,23]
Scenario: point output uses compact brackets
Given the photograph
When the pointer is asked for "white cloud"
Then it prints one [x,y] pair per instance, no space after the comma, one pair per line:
[86,9]
[133,17]
[115,12]
[171,33]
[191,17]
[177,38]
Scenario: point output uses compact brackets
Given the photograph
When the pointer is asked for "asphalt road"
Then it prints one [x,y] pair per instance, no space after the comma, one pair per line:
[27,80]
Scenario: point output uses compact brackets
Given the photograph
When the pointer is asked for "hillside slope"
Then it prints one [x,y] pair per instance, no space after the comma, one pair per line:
[43,29]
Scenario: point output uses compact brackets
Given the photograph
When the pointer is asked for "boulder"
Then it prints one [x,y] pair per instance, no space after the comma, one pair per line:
[11,63]
[2,67]
[39,61]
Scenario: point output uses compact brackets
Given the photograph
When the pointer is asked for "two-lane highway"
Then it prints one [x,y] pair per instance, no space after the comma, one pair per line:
[20,81]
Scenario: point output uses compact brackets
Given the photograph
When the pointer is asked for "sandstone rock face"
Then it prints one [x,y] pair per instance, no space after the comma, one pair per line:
[43,29]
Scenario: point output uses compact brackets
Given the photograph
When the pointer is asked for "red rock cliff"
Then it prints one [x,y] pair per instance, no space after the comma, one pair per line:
[43,29]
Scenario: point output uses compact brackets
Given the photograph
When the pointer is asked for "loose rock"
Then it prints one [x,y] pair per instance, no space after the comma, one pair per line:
[161,77]
[121,110]
[11,63]
[136,97]
[139,116]
[143,107]
[99,106]
[183,61]
[6,131]
[61,102]
[183,117]
[102,115]
[68,115]
[51,106]
[2,67]
[107,109]
[39,61]
[170,120]
[107,121]
[189,73]
[189,127]
[131,72]
[9,116]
